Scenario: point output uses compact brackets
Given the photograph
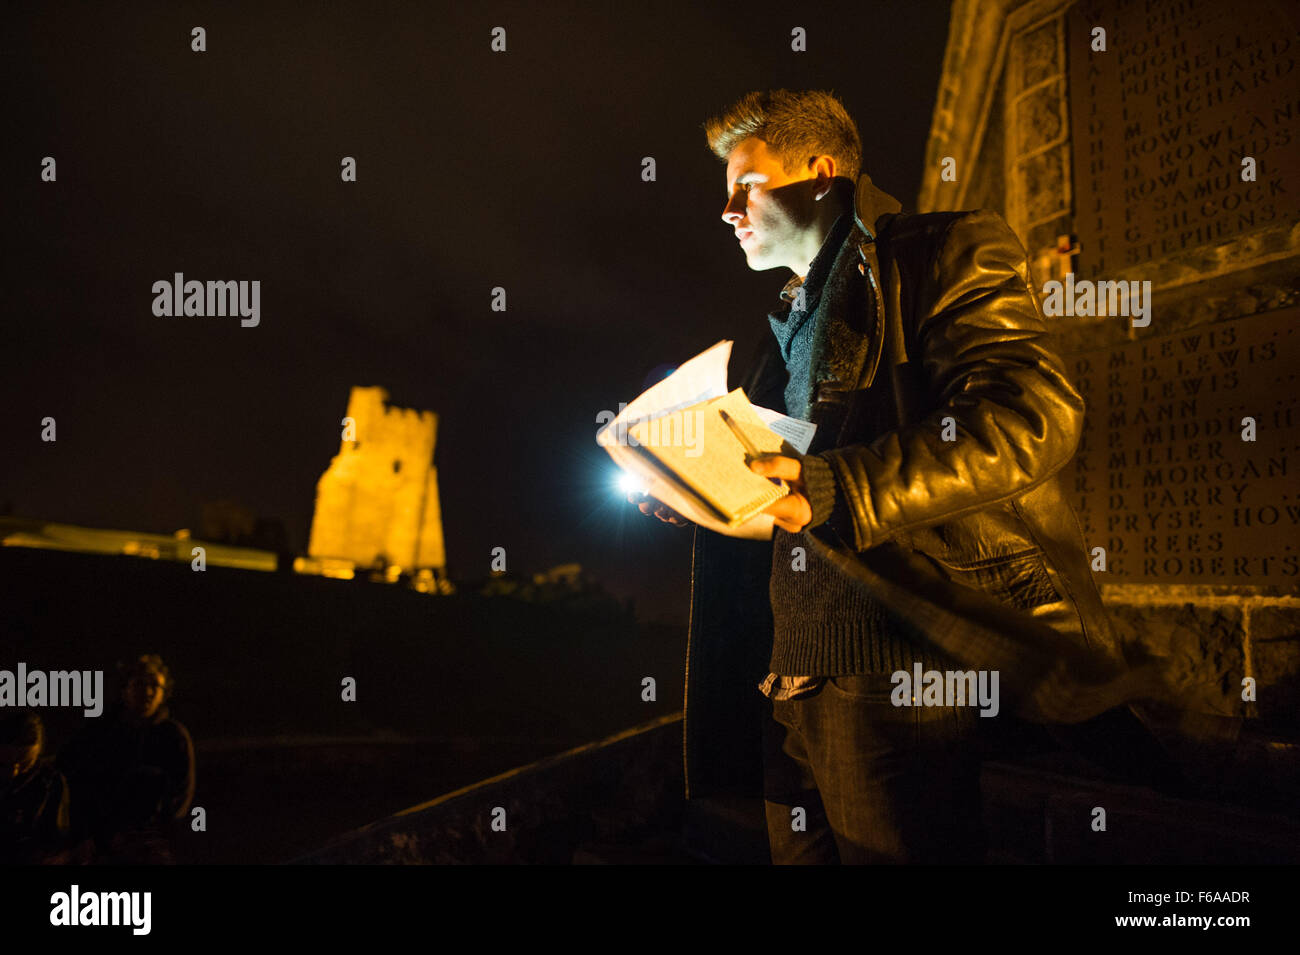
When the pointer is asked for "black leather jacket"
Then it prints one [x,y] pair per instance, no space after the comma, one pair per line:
[972,538]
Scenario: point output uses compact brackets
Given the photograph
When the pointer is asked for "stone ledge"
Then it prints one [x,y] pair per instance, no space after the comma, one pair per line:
[597,793]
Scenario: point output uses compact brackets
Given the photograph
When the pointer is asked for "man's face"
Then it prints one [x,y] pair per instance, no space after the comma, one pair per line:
[144,693]
[773,218]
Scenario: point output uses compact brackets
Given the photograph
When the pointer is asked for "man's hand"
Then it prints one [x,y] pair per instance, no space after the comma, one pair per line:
[793,512]
[648,505]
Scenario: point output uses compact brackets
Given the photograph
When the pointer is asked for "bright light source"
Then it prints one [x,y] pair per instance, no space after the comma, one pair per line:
[628,484]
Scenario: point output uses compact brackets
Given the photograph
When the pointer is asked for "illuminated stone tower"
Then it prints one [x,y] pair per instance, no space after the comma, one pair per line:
[378,500]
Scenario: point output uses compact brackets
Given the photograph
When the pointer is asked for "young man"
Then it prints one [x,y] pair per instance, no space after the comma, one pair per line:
[943,416]
[132,770]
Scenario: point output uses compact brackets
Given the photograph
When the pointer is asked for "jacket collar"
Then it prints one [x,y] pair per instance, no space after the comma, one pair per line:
[869,204]
[846,351]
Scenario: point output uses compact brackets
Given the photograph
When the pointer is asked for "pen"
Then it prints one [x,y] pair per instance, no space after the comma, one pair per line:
[743,439]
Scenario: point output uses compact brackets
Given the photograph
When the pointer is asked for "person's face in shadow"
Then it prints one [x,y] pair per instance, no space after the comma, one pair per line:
[775,214]
[16,760]
[144,693]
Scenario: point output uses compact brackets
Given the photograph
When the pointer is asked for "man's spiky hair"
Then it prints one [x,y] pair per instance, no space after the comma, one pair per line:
[795,125]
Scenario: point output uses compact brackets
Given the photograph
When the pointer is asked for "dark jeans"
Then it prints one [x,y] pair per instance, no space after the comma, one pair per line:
[879,783]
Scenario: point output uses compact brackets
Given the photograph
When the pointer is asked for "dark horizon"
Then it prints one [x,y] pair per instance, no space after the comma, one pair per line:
[472,173]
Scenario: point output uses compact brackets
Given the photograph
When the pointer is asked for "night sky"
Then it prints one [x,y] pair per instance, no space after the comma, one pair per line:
[475,169]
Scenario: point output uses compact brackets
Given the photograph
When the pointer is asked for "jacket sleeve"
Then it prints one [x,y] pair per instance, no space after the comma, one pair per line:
[988,360]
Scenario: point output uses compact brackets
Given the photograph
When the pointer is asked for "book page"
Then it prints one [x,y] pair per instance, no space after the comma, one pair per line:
[700,378]
[682,500]
[795,430]
[704,452]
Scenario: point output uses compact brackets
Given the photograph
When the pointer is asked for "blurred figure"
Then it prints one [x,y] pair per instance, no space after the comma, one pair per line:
[33,794]
[132,770]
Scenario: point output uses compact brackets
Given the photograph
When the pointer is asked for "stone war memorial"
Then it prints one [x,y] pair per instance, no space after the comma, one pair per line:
[377,503]
[1146,155]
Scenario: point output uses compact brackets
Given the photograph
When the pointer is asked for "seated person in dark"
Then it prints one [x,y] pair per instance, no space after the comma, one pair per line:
[33,794]
[133,768]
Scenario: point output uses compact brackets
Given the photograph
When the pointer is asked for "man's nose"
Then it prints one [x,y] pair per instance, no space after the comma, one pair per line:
[734,211]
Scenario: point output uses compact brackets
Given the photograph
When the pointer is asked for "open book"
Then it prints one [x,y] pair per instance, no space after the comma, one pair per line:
[688,442]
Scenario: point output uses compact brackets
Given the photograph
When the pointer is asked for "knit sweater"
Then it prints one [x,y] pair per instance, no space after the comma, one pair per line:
[825,624]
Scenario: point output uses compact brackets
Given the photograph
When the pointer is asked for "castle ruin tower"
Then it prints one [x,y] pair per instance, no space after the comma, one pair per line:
[378,499]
